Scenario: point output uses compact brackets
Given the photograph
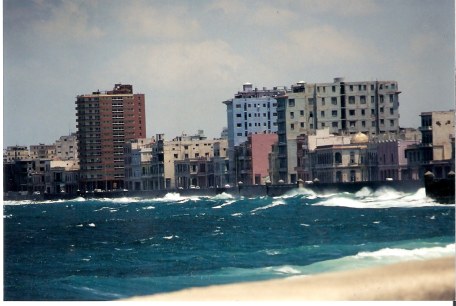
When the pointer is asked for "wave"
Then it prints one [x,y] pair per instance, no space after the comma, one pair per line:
[381,198]
[273,204]
[380,257]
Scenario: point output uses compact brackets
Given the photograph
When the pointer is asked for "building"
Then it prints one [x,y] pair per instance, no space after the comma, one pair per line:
[162,172]
[14,153]
[105,122]
[251,159]
[341,162]
[138,154]
[43,151]
[370,107]
[251,111]
[306,144]
[392,161]
[63,177]
[435,153]
[67,147]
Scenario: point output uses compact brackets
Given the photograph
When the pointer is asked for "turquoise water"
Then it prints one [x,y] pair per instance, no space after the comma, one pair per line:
[108,249]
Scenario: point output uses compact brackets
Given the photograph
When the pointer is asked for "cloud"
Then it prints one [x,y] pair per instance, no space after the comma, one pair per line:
[141,19]
[227,7]
[272,16]
[342,8]
[69,21]
[324,45]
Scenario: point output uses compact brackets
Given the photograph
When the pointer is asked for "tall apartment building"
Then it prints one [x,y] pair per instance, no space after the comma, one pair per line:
[251,111]
[370,107]
[105,121]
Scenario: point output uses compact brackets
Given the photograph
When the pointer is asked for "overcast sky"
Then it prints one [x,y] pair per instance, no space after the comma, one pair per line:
[189,56]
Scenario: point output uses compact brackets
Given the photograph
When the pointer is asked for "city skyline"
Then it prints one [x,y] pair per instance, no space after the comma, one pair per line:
[188,57]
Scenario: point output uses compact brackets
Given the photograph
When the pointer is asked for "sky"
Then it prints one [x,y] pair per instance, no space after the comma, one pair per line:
[189,56]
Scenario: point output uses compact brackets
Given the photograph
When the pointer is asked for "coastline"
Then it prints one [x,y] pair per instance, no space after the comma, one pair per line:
[418,280]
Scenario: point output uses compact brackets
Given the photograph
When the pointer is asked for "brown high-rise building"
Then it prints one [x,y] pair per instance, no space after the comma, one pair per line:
[105,121]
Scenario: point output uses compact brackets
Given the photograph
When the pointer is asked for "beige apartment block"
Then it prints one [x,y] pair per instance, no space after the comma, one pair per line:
[166,153]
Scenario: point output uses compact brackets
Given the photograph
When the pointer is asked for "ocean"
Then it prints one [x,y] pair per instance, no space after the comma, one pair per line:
[108,249]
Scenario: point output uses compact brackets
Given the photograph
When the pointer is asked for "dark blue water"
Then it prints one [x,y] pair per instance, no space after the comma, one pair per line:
[110,249]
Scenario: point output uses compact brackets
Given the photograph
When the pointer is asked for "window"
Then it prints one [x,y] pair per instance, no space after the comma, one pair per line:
[372,99]
[391,98]
[351,87]
[291,115]
[363,112]
[301,113]
[372,112]
[352,157]
[333,88]
[391,122]
[238,115]
[382,110]
[323,101]
[351,112]
[239,125]
[338,158]
[335,124]
[334,113]
[310,101]
[363,123]
[391,111]
[382,121]
[353,124]
[238,105]
[291,102]
[322,114]
[292,126]
[333,100]
[302,124]
[362,99]
[351,99]
[381,99]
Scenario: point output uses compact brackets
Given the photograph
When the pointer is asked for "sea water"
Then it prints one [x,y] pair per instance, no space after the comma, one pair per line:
[106,249]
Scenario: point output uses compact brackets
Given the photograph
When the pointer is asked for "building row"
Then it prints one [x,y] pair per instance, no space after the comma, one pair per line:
[333,132]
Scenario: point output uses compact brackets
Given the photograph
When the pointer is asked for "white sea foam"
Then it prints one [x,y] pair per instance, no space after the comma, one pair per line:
[274,204]
[222,196]
[224,204]
[286,270]
[382,198]
[398,253]
[170,237]
[91,224]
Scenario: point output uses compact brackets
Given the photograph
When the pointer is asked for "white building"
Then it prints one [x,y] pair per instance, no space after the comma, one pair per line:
[67,147]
